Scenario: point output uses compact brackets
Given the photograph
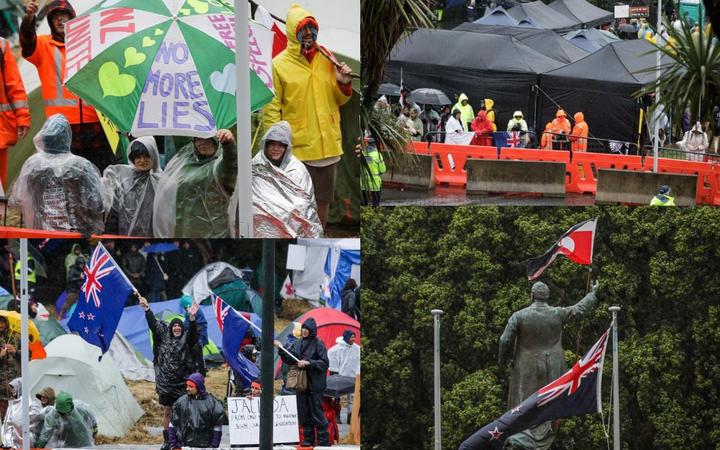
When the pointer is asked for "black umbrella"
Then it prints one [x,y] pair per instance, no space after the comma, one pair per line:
[429,96]
[338,385]
[389,89]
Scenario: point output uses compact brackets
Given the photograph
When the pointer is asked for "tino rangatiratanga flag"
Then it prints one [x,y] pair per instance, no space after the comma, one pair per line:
[576,245]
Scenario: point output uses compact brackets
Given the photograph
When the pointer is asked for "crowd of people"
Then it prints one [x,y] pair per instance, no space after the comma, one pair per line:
[428,124]
[74,181]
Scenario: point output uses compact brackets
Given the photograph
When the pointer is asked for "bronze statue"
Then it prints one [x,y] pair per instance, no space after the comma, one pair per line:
[532,344]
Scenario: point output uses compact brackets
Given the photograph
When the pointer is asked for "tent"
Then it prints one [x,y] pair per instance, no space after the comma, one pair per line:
[330,261]
[72,366]
[540,16]
[131,363]
[331,324]
[546,42]
[49,329]
[602,87]
[591,39]
[583,12]
[133,325]
[452,62]
[498,16]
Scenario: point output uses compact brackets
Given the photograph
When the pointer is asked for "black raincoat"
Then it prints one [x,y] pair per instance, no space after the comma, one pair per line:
[196,421]
[172,355]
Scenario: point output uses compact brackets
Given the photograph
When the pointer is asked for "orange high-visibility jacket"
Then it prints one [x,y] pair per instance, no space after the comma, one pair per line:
[49,58]
[579,134]
[546,140]
[13,99]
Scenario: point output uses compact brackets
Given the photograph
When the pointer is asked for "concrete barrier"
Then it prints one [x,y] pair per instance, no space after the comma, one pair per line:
[488,175]
[638,188]
[410,170]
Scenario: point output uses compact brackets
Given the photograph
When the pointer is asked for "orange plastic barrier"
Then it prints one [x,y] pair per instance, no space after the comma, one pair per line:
[581,173]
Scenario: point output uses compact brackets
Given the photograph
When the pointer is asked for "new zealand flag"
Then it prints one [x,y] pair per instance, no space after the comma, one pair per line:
[576,392]
[102,298]
[233,328]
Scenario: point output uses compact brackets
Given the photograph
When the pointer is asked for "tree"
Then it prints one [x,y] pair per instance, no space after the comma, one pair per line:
[659,265]
[692,77]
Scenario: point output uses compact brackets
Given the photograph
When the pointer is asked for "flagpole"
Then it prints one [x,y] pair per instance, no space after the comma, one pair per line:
[438,427]
[24,351]
[260,331]
[243,184]
[616,381]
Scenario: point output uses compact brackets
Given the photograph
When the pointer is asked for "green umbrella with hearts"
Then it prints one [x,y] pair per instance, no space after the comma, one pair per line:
[164,67]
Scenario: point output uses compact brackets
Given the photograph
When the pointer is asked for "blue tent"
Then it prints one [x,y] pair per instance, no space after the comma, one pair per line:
[342,274]
[133,325]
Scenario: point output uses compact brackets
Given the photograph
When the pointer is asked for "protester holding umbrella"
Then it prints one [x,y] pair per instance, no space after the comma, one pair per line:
[47,53]
[129,190]
[309,89]
[193,194]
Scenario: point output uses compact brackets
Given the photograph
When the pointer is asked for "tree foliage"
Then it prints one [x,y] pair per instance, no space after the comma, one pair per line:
[660,265]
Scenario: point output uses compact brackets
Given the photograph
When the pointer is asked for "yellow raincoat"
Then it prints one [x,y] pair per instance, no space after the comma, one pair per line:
[307,95]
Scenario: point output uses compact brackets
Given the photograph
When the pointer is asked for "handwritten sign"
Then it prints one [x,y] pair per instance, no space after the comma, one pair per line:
[172,99]
[244,419]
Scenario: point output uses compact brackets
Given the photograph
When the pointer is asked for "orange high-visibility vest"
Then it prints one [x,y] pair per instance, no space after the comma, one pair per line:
[49,58]
[579,137]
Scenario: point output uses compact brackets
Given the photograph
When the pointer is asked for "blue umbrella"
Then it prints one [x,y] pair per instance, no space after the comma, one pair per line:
[162,247]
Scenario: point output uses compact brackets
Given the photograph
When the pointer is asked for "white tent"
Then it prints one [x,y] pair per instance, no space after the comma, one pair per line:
[131,363]
[72,366]
[206,279]
[308,282]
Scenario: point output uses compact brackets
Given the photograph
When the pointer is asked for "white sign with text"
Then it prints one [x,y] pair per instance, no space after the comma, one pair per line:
[244,419]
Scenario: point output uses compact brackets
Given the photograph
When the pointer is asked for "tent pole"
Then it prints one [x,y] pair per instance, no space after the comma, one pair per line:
[24,351]
[267,353]
[243,184]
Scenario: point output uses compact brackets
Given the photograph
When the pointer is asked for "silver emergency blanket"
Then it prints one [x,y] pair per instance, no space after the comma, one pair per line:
[12,430]
[192,196]
[128,194]
[283,196]
[56,189]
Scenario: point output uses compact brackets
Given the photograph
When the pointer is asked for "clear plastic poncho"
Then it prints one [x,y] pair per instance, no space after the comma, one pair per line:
[12,431]
[192,196]
[128,194]
[71,430]
[283,196]
[56,189]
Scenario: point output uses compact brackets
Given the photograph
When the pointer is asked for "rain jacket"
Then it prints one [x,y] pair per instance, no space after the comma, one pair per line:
[74,276]
[579,133]
[196,421]
[173,357]
[73,429]
[307,95]
[12,431]
[546,142]
[560,123]
[47,54]
[370,179]
[10,364]
[694,140]
[512,122]
[70,257]
[344,358]
[310,349]
[662,200]
[56,189]
[489,103]
[284,204]
[14,107]
[483,129]
[466,112]
[193,194]
[128,194]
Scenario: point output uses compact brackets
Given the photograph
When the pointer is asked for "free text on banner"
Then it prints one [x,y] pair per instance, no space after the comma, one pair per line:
[244,419]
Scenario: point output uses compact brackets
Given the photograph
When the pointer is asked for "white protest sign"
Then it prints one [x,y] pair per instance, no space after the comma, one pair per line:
[244,419]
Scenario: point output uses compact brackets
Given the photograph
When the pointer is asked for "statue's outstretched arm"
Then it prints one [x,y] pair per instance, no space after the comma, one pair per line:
[584,306]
